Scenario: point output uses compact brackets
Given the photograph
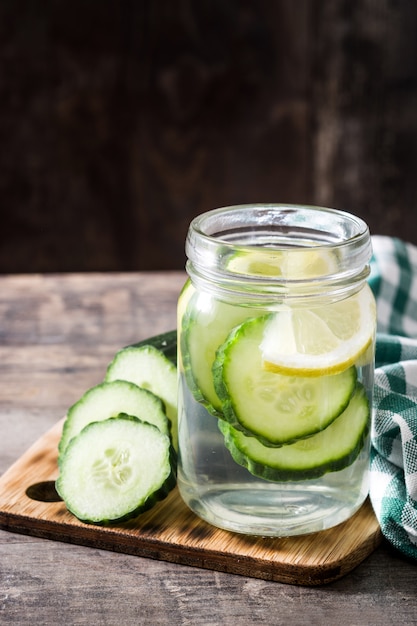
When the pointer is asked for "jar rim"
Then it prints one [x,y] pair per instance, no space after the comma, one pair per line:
[205,223]
[221,243]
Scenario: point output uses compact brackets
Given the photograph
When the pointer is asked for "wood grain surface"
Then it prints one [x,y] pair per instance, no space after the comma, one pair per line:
[57,335]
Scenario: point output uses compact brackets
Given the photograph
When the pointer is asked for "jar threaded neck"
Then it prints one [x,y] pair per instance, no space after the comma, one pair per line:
[276,250]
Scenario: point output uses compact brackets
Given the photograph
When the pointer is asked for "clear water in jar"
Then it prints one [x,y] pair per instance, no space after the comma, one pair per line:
[229,496]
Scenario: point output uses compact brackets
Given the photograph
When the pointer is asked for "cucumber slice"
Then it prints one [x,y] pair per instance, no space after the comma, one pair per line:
[276,409]
[187,292]
[115,469]
[108,400]
[148,367]
[184,299]
[331,450]
[202,332]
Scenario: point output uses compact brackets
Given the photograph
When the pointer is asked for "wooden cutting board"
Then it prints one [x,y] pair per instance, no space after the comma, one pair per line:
[171,532]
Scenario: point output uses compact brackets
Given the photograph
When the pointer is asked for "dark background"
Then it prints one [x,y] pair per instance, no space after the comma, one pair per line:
[120,121]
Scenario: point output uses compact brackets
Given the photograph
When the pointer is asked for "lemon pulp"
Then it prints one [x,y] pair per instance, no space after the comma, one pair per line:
[321,340]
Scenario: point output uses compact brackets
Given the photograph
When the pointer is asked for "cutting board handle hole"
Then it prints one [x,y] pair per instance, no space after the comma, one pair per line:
[43,492]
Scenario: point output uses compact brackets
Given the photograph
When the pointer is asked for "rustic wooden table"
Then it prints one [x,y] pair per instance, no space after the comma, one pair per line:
[57,334]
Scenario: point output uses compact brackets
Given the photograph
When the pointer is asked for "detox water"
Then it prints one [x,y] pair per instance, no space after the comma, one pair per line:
[276,331]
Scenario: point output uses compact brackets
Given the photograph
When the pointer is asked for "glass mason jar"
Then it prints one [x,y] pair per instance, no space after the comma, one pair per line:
[276,336]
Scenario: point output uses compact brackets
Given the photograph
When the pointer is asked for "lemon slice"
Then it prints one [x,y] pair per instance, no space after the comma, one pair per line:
[321,340]
[291,264]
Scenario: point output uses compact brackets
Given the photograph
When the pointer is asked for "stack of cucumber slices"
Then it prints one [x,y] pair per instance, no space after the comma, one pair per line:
[285,386]
[117,452]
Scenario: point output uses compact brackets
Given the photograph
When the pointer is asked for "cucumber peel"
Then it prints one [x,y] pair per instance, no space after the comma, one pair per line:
[165,342]
[330,450]
[115,469]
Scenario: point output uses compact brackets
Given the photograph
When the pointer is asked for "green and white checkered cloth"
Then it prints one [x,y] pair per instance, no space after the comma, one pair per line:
[393,489]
